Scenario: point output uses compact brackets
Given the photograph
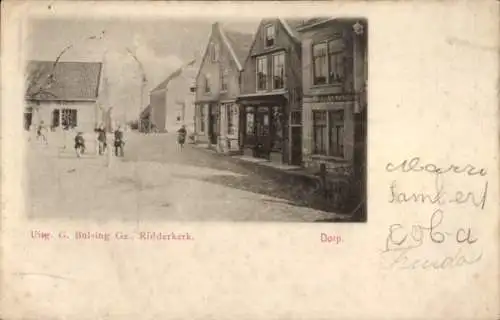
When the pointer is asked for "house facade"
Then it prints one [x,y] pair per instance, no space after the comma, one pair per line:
[271,89]
[217,88]
[172,102]
[64,95]
[334,74]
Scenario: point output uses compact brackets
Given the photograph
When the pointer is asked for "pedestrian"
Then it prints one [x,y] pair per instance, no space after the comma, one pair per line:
[41,133]
[181,136]
[79,144]
[119,142]
[101,139]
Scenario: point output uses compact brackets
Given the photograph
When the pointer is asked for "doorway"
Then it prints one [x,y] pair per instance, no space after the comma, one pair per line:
[212,123]
[262,132]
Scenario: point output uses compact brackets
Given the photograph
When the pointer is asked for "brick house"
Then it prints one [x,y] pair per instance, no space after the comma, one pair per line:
[271,89]
[217,87]
[64,95]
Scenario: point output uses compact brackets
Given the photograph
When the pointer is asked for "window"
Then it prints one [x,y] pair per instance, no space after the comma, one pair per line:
[270,36]
[336,63]
[223,80]
[336,124]
[250,121]
[261,73]
[207,83]
[328,133]
[69,118]
[214,52]
[279,71]
[319,132]
[202,118]
[328,62]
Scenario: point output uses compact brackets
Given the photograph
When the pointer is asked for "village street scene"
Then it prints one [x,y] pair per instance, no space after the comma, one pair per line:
[261,120]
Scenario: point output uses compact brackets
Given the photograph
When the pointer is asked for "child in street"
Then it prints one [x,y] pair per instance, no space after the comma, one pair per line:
[79,144]
[181,136]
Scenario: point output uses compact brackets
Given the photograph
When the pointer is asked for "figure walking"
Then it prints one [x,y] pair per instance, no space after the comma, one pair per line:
[181,137]
[119,142]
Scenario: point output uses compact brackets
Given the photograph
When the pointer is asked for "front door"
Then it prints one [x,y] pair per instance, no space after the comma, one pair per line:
[212,123]
[262,132]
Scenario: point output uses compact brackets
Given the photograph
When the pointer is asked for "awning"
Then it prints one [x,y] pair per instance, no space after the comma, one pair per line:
[263,98]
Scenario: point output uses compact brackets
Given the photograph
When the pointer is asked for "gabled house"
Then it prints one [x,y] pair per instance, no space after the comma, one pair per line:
[217,88]
[172,102]
[271,89]
[63,94]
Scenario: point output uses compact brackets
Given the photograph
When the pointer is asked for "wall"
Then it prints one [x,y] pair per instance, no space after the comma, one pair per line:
[157,101]
[314,35]
[87,113]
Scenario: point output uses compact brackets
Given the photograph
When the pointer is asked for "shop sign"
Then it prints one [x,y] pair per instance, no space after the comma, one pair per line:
[342,97]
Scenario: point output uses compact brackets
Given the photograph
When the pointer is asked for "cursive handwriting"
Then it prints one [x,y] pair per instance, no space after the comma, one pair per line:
[439,196]
[405,261]
[400,238]
[415,166]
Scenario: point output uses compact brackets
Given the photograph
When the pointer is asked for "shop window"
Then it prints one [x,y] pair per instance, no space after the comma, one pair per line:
[69,118]
[250,121]
[270,37]
[277,128]
[262,73]
[329,62]
[328,133]
[279,71]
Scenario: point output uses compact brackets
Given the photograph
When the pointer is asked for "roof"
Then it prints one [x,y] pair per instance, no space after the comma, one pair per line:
[291,26]
[71,81]
[238,44]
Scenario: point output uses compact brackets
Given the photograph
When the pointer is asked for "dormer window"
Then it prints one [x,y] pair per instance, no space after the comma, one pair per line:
[270,36]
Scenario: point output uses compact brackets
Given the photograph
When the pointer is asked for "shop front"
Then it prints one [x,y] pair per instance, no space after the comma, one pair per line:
[263,127]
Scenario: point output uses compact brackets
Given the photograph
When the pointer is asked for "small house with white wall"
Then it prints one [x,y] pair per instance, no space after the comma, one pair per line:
[63,95]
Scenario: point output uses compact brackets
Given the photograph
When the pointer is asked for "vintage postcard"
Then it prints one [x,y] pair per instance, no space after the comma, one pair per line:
[206,160]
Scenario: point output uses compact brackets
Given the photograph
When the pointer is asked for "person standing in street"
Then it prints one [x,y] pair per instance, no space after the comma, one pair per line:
[41,133]
[119,142]
[181,137]
[101,139]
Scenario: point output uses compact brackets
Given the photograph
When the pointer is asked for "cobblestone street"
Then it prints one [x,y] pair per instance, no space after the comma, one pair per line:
[155,180]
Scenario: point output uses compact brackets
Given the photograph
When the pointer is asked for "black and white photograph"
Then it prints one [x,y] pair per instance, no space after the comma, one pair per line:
[197,120]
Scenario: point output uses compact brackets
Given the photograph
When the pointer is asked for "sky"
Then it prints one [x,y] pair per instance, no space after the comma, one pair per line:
[161,46]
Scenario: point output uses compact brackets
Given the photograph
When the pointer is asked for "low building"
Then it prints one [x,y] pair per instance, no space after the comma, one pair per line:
[63,95]
[271,89]
[217,88]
